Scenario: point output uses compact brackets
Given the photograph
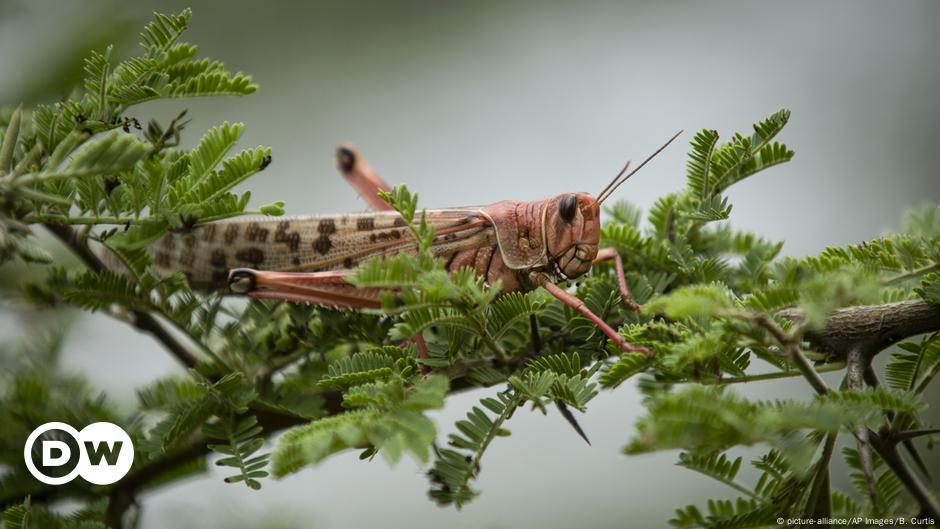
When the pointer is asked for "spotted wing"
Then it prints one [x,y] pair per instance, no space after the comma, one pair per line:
[309,243]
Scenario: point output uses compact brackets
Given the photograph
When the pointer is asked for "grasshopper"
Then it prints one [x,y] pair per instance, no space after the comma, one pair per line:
[524,245]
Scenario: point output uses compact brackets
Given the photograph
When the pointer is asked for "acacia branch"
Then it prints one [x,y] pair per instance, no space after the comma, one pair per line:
[855,379]
[143,321]
[791,347]
[859,333]
[870,328]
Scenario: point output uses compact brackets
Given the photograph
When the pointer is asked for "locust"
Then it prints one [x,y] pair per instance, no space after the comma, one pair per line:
[520,245]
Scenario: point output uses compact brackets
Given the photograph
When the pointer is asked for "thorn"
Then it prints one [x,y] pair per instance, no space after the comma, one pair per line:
[915,455]
[566,413]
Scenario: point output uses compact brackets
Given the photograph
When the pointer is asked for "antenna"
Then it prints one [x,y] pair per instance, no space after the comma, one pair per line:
[615,183]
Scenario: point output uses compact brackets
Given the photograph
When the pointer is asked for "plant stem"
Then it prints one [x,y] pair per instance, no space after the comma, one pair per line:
[835,366]
[87,220]
[32,178]
[855,374]
[791,346]
[913,274]
[142,320]
[802,363]
[910,480]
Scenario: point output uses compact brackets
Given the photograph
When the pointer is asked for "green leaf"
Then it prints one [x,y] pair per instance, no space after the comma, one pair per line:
[17,516]
[112,153]
[711,209]
[163,32]
[234,171]
[242,443]
[139,236]
[744,156]
[10,139]
[709,419]
[99,290]
[876,400]
[428,394]
[511,311]
[97,70]
[699,163]
[136,80]
[274,209]
[715,466]
[455,468]
[212,84]
[694,300]
[628,365]
[310,444]
[359,368]
[403,200]
[560,364]
[210,152]
[929,289]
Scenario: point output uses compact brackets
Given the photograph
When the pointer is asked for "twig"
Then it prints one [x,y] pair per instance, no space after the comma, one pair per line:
[791,346]
[910,480]
[80,220]
[144,321]
[913,274]
[887,449]
[871,378]
[802,363]
[872,327]
[847,323]
[855,374]
[835,366]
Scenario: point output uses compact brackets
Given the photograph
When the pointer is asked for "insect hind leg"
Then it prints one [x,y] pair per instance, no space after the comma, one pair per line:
[357,171]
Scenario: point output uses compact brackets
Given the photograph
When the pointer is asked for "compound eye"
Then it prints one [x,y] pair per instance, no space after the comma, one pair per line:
[568,207]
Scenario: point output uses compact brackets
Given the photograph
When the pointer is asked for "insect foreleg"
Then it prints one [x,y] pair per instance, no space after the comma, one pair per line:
[361,176]
[579,306]
[605,254]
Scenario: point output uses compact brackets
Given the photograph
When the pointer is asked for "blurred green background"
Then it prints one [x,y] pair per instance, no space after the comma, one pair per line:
[474,102]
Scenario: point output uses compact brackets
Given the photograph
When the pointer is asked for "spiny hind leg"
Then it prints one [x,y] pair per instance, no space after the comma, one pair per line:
[327,289]
[606,254]
[357,171]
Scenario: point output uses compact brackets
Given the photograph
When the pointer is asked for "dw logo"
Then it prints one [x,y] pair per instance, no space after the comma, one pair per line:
[101,453]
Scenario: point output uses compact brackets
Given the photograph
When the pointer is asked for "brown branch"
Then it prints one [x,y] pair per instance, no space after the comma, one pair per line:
[889,453]
[143,321]
[791,347]
[870,328]
[859,333]
[855,379]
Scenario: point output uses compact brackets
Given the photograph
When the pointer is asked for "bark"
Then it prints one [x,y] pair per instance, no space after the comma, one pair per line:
[870,328]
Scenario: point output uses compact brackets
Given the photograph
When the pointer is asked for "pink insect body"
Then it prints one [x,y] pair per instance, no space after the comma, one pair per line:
[523,244]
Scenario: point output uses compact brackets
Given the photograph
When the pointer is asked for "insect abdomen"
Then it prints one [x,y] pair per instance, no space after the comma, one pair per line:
[206,253]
